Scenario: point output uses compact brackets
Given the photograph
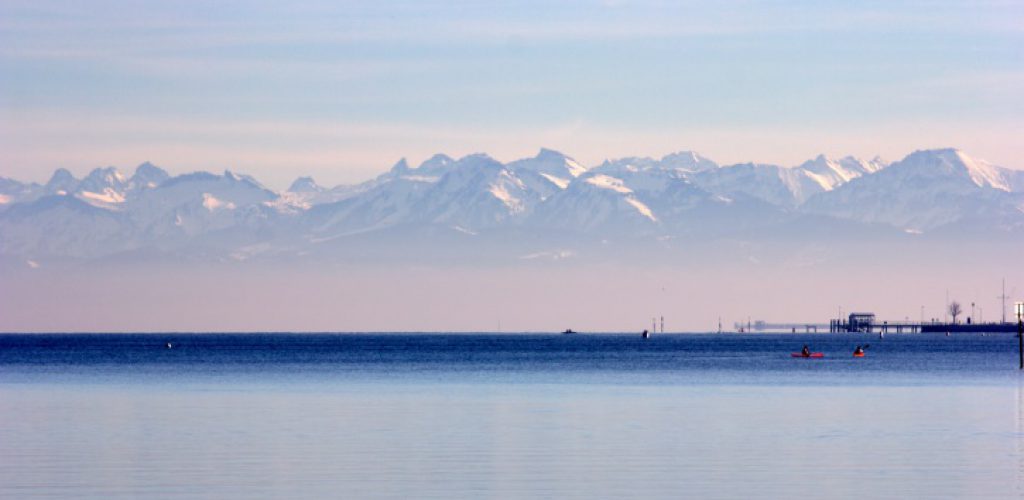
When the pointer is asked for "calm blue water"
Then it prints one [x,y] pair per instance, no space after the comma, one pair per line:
[581,416]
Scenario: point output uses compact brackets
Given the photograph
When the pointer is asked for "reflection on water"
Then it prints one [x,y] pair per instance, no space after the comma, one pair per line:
[522,416]
[1019,483]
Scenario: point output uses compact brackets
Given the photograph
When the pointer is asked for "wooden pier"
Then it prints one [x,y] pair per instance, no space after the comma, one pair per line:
[845,326]
[866,323]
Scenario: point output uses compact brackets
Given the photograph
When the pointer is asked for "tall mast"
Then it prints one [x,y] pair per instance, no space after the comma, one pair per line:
[1003,298]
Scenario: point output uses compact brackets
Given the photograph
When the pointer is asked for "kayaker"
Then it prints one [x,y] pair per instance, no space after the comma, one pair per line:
[859,351]
[806,351]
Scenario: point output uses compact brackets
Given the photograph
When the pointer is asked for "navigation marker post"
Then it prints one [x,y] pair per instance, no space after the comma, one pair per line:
[1019,308]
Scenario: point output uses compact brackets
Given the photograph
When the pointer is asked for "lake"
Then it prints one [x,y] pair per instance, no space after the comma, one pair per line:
[509,415]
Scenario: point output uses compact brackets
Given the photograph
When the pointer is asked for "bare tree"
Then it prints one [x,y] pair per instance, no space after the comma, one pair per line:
[955,310]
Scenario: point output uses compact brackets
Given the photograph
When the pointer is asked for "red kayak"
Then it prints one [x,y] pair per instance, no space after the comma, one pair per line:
[813,355]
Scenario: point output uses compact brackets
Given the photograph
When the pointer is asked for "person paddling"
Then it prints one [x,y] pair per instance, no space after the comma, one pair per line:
[806,351]
[859,351]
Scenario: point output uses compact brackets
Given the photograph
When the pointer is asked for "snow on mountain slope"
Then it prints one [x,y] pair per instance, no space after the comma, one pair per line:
[595,202]
[687,161]
[103,187]
[548,172]
[109,188]
[629,196]
[384,201]
[477,193]
[305,193]
[771,183]
[925,190]
[191,204]
[639,175]
[982,173]
[683,161]
[607,182]
[473,193]
[550,162]
[436,166]
[103,178]
[647,198]
[62,225]
[829,173]
[241,190]
[787,187]
[386,204]
[12,192]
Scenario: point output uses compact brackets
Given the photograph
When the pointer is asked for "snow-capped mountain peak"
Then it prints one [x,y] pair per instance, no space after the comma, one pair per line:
[305,185]
[436,165]
[863,166]
[553,167]
[61,182]
[103,187]
[400,167]
[687,161]
[549,159]
[952,163]
[109,176]
[925,190]
[147,176]
[829,173]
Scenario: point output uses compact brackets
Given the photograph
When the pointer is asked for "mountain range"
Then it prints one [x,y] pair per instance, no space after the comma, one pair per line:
[546,206]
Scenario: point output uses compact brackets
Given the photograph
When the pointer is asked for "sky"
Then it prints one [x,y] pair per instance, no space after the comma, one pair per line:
[342,90]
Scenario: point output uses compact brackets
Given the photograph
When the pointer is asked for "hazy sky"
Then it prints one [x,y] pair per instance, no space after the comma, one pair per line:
[341,90]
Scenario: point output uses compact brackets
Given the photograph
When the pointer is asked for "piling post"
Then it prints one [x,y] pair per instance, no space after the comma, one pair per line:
[1020,331]
[1020,339]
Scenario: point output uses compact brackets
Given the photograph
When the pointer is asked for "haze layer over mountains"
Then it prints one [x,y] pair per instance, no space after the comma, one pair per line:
[588,246]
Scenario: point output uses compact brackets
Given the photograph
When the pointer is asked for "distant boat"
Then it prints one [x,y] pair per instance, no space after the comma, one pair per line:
[568,331]
[646,334]
[169,345]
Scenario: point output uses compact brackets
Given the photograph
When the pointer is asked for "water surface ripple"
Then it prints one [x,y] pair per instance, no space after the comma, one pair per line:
[476,415]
